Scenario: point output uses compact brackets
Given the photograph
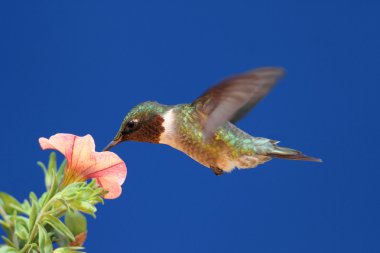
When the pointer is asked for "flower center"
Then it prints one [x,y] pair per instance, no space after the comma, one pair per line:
[71,176]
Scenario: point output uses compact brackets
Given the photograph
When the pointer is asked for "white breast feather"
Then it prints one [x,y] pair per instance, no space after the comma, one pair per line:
[167,137]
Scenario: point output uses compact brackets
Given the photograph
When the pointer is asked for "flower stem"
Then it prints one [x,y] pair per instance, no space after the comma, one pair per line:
[5,215]
[7,220]
[35,225]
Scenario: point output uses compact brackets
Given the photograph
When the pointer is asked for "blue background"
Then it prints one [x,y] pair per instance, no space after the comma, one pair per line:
[80,66]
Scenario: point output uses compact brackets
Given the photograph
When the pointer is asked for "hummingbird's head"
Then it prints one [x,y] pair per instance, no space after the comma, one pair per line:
[143,123]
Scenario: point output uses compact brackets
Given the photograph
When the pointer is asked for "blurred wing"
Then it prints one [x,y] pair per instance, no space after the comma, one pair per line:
[234,97]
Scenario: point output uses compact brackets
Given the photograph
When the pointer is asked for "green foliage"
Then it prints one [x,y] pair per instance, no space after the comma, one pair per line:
[76,222]
[55,218]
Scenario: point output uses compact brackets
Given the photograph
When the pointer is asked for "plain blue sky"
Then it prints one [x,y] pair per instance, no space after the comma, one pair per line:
[79,66]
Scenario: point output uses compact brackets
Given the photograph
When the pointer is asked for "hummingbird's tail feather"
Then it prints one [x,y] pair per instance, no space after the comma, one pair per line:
[291,154]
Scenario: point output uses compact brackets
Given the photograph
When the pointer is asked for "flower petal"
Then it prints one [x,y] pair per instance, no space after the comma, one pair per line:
[83,162]
[114,190]
[77,150]
[62,142]
[107,164]
[109,170]
[82,158]
[79,239]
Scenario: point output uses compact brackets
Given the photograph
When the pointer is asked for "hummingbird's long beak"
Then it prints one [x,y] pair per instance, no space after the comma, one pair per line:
[111,145]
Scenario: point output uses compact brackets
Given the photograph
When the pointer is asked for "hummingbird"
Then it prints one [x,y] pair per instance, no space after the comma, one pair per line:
[205,130]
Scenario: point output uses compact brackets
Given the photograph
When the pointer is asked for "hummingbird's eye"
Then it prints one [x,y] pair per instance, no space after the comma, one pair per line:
[131,124]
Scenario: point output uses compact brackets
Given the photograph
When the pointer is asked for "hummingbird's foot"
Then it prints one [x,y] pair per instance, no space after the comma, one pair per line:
[217,171]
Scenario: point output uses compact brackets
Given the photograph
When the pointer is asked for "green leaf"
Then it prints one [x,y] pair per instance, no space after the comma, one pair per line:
[76,222]
[7,227]
[33,248]
[51,171]
[64,203]
[54,186]
[4,224]
[8,242]
[44,241]
[8,202]
[52,162]
[52,190]
[33,212]
[61,240]
[7,249]
[33,197]
[68,250]
[22,220]
[82,196]
[21,229]
[43,199]
[61,170]
[43,167]
[96,199]
[25,207]
[84,207]
[59,226]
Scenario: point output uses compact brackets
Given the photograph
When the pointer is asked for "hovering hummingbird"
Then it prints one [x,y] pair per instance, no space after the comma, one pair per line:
[205,129]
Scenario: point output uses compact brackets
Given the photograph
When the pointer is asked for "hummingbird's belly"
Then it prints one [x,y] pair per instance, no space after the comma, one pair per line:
[209,157]
[220,154]
[227,149]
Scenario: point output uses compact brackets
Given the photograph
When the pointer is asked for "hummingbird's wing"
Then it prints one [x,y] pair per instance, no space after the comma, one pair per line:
[234,97]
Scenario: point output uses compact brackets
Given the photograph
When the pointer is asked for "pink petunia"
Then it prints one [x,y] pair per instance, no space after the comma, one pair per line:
[83,162]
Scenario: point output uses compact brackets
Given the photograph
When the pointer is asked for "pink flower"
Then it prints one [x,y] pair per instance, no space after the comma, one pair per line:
[83,162]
